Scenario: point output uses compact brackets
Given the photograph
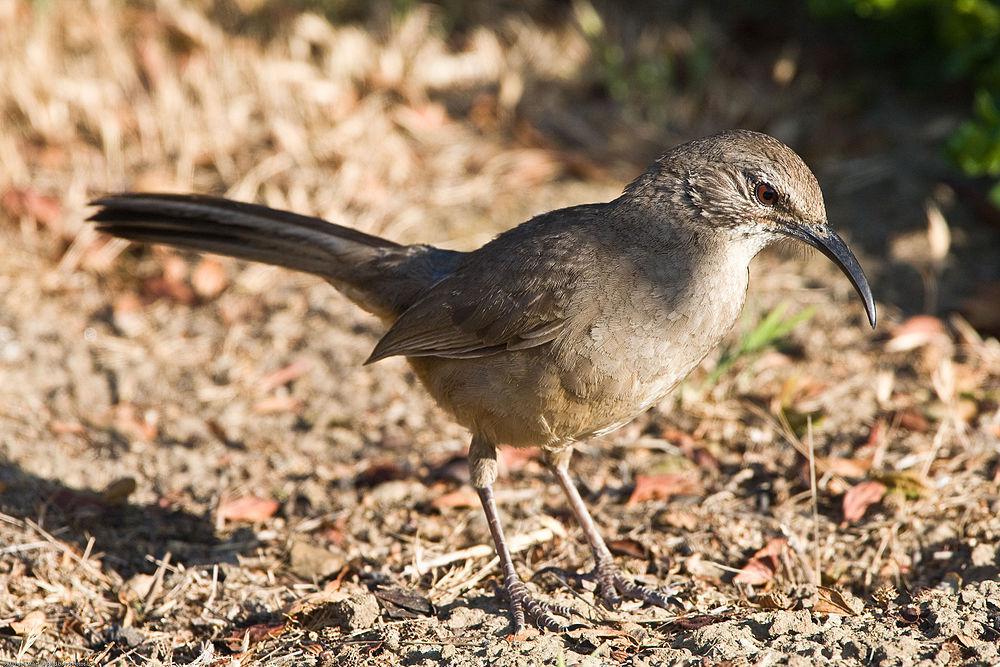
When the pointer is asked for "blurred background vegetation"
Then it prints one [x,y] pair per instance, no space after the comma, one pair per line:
[938,50]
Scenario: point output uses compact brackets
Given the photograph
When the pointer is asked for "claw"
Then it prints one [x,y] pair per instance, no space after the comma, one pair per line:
[525,607]
[613,587]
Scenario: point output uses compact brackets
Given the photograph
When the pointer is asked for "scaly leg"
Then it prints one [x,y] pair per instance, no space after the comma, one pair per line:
[612,585]
[482,462]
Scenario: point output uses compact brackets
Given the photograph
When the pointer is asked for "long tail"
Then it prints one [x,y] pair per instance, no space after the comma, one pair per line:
[379,275]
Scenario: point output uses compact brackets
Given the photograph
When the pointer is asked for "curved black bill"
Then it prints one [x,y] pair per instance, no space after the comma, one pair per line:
[831,245]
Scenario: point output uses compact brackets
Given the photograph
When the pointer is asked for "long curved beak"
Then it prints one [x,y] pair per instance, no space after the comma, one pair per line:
[827,242]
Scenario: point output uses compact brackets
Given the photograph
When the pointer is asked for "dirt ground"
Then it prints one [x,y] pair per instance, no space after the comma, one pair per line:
[196,469]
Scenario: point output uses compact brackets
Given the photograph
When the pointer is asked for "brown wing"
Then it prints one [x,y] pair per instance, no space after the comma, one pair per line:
[514,293]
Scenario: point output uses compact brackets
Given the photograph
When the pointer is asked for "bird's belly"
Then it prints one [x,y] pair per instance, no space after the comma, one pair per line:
[530,399]
[588,383]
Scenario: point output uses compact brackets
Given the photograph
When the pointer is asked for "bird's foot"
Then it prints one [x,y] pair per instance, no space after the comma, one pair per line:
[613,586]
[524,607]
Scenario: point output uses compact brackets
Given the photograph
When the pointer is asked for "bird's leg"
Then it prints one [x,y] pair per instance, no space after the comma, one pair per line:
[612,585]
[483,467]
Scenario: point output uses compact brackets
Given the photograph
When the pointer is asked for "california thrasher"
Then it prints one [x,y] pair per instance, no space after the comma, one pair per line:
[565,327]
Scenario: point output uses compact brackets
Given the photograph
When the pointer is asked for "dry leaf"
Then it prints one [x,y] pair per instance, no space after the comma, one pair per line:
[28,203]
[860,497]
[916,332]
[830,601]
[253,634]
[844,467]
[461,497]
[32,624]
[662,487]
[755,573]
[764,564]
[629,548]
[401,603]
[516,458]
[774,600]
[914,421]
[248,508]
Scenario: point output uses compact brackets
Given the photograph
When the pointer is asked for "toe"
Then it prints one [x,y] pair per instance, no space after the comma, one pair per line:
[542,614]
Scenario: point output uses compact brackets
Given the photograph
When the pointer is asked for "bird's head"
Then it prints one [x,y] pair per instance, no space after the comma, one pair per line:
[753,186]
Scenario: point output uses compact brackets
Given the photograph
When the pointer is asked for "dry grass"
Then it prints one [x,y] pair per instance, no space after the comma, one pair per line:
[245,382]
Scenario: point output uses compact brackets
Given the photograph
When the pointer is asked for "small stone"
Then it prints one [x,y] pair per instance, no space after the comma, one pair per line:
[312,562]
[131,636]
[392,639]
[357,612]
[464,617]
[984,554]
[396,492]
[698,567]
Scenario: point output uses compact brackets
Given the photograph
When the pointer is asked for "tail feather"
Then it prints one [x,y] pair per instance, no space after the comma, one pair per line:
[178,208]
[381,276]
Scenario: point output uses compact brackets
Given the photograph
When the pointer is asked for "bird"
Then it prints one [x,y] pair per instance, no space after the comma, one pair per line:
[563,328]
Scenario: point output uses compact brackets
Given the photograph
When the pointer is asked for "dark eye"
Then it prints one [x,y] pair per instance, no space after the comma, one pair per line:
[766,194]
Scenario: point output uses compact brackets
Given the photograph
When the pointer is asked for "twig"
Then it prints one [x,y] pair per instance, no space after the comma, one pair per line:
[517,543]
[817,572]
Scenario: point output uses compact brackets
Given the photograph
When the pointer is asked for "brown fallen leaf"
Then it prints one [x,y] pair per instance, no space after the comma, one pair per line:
[629,548]
[860,497]
[31,624]
[663,487]
[876,434]
[462,497]
[831,601]
[844,467]
[755,573]
[697,621]
[516,458]
[253,634]
[29,203]
[916,332]
[912,420]
[401,603]
[764,564]
[774,600]
[248,508]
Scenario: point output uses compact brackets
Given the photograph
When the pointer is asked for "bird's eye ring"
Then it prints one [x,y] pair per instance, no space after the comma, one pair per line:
[766,194]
